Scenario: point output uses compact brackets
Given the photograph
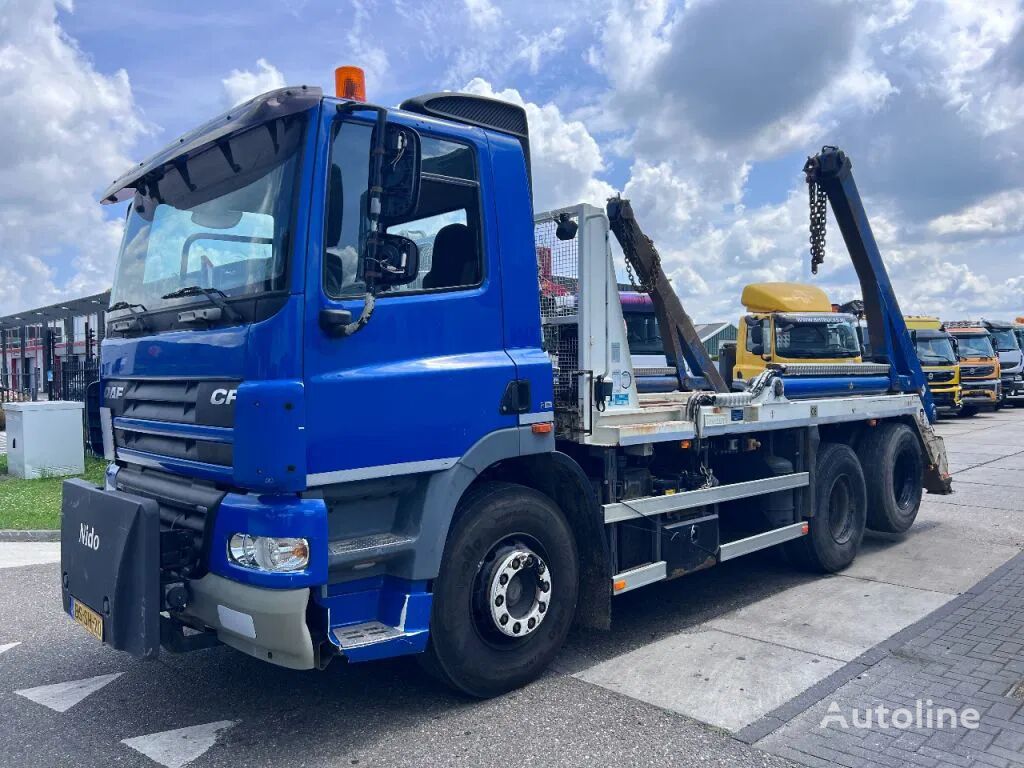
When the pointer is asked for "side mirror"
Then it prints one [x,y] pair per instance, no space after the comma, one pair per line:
[398,261]
[401,172]
[757,348]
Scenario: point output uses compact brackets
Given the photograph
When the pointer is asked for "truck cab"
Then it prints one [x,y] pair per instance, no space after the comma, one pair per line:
[642,332]
[937,354]
[979,365]
[791,323]
[1011,360]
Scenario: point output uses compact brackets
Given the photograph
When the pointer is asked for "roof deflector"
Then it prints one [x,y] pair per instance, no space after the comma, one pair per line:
[269,106]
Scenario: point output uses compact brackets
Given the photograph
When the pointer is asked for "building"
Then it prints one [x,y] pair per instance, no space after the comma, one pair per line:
[713,334]
[52,351]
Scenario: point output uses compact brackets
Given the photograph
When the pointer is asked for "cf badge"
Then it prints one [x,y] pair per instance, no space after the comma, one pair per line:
[223,396]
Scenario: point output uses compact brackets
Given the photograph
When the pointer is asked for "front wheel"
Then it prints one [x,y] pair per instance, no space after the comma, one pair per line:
[506,594]
[840,512]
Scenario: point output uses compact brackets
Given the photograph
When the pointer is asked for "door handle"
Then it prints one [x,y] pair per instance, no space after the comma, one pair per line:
[333,320]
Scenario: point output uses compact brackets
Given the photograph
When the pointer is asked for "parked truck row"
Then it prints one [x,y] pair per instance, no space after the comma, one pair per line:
[360,400]
[968,365]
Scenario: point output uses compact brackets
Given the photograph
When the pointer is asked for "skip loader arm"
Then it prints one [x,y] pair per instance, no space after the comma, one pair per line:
[829,174]
[683,346]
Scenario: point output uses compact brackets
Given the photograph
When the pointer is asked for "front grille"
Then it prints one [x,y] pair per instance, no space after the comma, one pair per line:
[175,447]
[936,377]
[186,509]
[156,406]
[978,371]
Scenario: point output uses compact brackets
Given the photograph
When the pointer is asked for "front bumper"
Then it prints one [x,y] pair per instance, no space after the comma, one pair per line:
[269,624]
[114,559]
[946,398]
[982,392]
[1012,385]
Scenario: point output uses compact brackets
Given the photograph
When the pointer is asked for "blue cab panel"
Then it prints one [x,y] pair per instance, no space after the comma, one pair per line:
[434,359]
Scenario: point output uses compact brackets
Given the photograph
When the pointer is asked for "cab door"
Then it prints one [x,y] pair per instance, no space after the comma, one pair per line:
[423,380]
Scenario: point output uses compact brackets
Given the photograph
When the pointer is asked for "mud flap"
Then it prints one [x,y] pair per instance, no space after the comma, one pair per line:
[110,563]
[936,472]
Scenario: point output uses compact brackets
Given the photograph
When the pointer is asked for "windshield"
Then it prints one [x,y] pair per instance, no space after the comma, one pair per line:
[975,346]
[936,351]
[816,339]
[642,334]
[1004,339]
[219,220]
[1019,333]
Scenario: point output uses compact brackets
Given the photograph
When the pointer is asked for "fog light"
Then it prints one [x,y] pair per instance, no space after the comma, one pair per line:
[268,553]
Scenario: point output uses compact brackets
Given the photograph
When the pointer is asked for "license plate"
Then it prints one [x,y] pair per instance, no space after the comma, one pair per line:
[88,618]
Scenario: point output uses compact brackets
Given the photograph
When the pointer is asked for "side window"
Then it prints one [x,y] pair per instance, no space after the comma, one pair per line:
[424,233]
[755,336]
[445,224]
[346,224]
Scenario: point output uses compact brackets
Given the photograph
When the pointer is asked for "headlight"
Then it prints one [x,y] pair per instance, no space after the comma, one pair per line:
[268,553]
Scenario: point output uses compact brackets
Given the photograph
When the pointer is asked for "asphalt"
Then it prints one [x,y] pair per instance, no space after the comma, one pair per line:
[689,666]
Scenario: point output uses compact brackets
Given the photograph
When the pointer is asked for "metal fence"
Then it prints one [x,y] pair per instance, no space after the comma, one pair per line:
[70,381]
[74,380]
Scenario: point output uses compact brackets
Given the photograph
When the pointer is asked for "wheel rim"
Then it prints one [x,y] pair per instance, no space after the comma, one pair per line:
[840,510]
[512,592]
[905,478]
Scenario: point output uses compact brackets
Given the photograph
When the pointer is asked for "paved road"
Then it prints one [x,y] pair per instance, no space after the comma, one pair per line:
[693,669]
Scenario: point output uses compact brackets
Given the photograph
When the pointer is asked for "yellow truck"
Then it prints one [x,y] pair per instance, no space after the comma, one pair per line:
[937,354]
[791,323]
[979,366]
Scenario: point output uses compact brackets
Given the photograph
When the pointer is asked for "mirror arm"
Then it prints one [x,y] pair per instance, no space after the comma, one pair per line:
[373,205]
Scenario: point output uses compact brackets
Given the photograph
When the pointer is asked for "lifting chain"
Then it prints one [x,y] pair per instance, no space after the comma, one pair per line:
[645,286]
[817,200]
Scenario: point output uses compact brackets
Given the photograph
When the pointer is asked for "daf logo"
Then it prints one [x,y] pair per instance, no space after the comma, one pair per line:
[114,391]
[88,537]
[223,396]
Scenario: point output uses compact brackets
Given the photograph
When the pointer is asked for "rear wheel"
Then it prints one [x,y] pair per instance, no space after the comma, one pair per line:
[506,594]
[893,465]
[840,504]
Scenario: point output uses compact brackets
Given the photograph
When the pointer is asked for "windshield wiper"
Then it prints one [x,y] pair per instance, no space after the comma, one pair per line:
[215,295]
[126,324]
[126,305]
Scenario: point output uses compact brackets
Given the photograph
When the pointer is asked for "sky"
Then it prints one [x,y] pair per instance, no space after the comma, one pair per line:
[701,112]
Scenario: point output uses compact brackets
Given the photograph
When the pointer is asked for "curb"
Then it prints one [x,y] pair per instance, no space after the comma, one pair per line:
[9,535]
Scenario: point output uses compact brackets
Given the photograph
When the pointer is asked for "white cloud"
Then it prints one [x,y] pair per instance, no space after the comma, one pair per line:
[537,47]
[66,133]
[667,200]
[243,84]
[999,214]
[483,14]
[566,159]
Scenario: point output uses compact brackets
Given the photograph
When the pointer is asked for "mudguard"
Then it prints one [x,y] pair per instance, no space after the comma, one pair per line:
[110,562]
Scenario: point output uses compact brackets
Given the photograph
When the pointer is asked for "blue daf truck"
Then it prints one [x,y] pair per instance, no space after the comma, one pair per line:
[345,420]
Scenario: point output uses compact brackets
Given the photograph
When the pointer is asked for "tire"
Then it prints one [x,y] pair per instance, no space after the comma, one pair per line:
[840,513]
[968,410]
[893,464]
[495,524]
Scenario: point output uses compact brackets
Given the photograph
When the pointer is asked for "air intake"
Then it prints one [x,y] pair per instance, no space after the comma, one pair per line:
[488,113]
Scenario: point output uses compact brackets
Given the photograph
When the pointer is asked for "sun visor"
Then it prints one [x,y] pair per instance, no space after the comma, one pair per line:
[262,109]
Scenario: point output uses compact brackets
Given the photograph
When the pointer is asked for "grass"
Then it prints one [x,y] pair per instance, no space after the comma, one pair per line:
[35,504]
